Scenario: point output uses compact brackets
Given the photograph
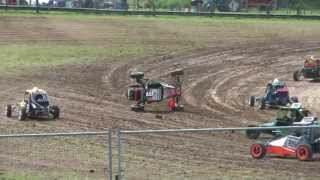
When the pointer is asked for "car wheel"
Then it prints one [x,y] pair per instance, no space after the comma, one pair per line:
[180,108]
[137,75]
[294,99]
[304,152]
[263,103]
[137,108]
[297,75]
[22,115]
[252,134]
[258,151]
[55,111]
[9,110]
[252,101]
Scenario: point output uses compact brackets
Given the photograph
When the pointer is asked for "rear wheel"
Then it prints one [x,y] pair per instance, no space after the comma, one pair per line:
[252,101]
[22,115]
[297,75]
[304,152]
[9,110]
[258,150]
[252,134]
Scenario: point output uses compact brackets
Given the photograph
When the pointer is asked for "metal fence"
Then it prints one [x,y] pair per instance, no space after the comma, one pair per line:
[211,153]
[140,154]
[313,16]
[81,155]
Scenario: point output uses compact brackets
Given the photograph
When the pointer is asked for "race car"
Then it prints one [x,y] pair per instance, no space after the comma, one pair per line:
[286,116]
[310,69]
[152,91]
[302,147]
[276,94]
[34,105]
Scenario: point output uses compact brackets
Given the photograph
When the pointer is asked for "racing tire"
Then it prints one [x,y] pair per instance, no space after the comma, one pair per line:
[9,110]
[297,76]
[179,108]
[252,101]
[262,104]
[294,99]
[137,75]
[252,134]
[55,111]
[258,150]
[304,152]
[22,115]
[137,108]
[177,72]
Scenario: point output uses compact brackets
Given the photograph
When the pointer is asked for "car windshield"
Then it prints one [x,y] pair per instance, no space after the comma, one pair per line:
[40,98]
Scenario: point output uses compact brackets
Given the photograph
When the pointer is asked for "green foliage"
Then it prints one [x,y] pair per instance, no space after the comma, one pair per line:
[294,4]
[171,4]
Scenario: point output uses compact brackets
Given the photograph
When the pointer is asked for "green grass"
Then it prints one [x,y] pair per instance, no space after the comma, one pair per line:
[18,57]
[125,37]
[55,158]
[18,176]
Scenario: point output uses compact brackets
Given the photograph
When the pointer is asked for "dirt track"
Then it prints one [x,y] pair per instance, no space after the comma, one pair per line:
[217,84]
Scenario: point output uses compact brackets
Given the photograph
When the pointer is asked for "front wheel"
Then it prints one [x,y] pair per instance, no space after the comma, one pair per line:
[297,75]
[22,115]
[258,150]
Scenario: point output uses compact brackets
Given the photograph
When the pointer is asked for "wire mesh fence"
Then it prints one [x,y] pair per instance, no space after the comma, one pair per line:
[200,155]
[212,153]
[55,156]
[176,7]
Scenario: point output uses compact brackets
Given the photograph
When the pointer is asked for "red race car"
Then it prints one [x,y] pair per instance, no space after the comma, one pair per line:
[310,69]
[147,91]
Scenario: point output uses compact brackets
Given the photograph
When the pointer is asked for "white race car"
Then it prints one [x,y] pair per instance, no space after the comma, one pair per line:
[302,147]
[34,105]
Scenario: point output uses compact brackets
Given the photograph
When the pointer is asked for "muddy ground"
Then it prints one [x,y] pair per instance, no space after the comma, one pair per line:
[219,78]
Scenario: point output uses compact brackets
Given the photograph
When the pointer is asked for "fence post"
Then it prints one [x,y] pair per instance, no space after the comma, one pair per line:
[37,6]
[119,154]
[110,153]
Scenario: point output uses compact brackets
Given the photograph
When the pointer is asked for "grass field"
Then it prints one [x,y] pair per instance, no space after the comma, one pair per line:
[92,38]
[84,61]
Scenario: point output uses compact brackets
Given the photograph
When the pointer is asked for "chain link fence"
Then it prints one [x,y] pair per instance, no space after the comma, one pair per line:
[211,153]
[221,153]
[56,156]
[173,7]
